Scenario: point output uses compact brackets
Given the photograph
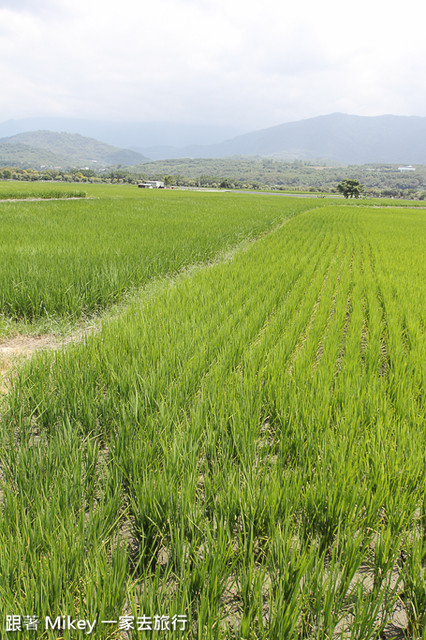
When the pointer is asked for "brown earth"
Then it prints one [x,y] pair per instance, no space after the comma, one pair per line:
[19,348]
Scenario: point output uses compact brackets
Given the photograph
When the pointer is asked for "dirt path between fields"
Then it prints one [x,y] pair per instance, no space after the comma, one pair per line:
[21,347]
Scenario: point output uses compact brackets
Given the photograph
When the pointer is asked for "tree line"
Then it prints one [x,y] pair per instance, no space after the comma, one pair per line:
[243,173]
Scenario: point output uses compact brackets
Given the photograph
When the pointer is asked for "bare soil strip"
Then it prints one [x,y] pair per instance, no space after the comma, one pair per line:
[18,348]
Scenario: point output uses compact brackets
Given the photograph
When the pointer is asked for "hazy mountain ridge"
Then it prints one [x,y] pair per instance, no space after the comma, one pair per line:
[127,135]
[48,148]
[338,138]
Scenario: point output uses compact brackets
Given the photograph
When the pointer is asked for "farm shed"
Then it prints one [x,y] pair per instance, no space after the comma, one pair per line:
[151,184]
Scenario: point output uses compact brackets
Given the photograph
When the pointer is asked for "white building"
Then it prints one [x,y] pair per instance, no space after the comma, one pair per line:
[151,184]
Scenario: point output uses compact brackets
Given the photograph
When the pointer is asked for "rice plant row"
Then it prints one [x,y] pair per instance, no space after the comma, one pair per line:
[48,194]
[244,451]
[70,258]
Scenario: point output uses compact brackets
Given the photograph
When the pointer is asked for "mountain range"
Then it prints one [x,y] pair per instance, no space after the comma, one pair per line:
[128,135]
[338,138]
[65,150]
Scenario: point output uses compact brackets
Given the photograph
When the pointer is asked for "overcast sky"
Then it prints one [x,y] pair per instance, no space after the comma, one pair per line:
[246,63]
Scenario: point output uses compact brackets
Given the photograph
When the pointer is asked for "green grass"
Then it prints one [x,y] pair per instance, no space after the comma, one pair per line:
[44,195]
[387,202]
[93,190]
[244,445]
[65,259]
[16,190]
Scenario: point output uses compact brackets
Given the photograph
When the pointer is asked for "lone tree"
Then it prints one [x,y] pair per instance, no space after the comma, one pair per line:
[350,188]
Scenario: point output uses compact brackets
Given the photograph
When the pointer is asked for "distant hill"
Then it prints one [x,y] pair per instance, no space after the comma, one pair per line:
[127,135]
[66,150]
[337,137]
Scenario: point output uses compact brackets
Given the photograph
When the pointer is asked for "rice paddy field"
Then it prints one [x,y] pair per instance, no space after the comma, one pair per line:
[238,450]
[65,259]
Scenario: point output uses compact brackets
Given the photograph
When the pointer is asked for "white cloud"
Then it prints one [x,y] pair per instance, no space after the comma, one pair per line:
[219,61]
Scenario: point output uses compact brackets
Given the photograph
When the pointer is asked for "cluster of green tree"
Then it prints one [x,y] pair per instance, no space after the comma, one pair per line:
[246,173]
[58,175]
[242,172]
[21,155]
[350,188]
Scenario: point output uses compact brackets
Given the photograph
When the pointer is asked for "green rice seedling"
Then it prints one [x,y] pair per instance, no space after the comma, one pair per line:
[414,590]
[46,194]
[74,258]
[244,440]
[339,583]
[290,587]
[367,620]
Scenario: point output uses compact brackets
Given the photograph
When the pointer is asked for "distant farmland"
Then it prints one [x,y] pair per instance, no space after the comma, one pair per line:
[68,258]
[239,450]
